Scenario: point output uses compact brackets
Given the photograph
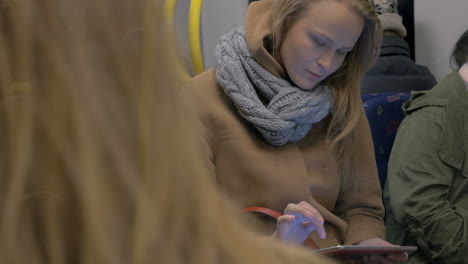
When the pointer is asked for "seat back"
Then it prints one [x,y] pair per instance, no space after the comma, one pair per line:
[384,112]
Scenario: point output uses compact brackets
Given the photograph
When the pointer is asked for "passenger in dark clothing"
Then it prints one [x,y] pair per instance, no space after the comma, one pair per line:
[395,71]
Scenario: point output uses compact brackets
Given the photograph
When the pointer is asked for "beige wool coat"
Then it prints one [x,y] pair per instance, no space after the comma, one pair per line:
[254,173]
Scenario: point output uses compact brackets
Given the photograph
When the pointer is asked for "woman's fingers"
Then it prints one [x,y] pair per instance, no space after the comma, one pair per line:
[312,218]
[379,259]
[312,210]
[391,258]
[316,225]
[320,229]
[286,218]
[305,209]
[398,257]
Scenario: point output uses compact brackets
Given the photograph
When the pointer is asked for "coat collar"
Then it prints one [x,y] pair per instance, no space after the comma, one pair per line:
[394,45]
[258,28]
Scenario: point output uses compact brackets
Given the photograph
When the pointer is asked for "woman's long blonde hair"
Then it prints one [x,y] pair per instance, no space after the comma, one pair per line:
[345,82]
[98,160]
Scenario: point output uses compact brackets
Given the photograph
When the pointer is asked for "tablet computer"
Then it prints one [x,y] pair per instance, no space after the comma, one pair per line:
[359,250]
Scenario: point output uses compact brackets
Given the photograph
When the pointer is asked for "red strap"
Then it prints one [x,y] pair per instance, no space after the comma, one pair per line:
[275,214]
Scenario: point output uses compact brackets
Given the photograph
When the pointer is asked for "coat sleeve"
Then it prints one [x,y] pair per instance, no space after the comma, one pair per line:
[207,155]
[360,202]
[419,184]
[195,94]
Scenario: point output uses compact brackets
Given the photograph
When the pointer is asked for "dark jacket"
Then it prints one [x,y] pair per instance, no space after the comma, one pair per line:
[426,194]
[395,71]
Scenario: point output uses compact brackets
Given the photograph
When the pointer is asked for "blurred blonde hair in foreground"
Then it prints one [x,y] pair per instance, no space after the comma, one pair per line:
[98,160]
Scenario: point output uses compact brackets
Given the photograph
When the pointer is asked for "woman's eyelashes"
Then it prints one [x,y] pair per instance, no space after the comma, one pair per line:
[319,42]
[322,43]
[343,52]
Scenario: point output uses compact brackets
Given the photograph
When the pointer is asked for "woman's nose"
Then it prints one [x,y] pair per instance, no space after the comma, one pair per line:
[326,61]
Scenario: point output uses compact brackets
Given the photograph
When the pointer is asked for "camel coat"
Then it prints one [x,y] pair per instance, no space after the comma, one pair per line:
[254,173]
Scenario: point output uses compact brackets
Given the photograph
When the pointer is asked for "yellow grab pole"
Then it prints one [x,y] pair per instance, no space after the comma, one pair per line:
[194,36]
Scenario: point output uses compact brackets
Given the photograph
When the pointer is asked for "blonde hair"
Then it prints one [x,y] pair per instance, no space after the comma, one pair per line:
[345,82]
[98,160]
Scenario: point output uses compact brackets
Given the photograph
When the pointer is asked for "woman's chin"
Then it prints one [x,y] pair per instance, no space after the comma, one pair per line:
[306,86]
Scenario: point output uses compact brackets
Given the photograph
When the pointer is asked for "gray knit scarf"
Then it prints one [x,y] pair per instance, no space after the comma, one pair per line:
[290,111]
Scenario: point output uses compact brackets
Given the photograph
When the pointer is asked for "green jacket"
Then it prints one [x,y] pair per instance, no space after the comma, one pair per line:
[426,194]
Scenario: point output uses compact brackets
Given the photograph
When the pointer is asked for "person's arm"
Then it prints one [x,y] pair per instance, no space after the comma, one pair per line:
[206,150]
[204,129]
[360,204]
[419,186]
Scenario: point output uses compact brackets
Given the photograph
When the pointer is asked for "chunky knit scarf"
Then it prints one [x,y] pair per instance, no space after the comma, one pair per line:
[290,111]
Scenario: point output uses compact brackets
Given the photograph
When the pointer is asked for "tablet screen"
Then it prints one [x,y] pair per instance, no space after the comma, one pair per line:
[359,250]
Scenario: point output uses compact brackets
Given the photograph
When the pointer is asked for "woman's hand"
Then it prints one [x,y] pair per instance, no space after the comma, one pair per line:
[298,221]
[389,259]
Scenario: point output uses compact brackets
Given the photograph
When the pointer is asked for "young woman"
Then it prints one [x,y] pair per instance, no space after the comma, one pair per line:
[98,162]
[284,126]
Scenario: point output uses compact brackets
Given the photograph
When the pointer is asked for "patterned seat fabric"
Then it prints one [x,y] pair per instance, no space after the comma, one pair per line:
[383,110]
